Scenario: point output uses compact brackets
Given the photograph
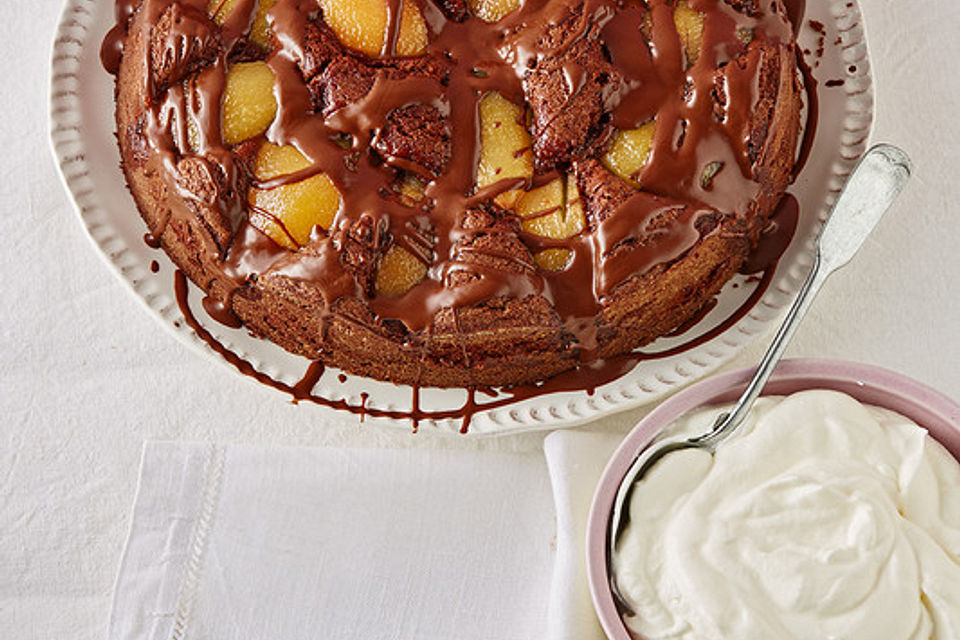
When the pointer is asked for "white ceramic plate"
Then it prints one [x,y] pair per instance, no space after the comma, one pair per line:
[81,131]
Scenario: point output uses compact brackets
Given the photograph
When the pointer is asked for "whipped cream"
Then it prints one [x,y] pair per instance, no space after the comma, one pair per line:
[822,518]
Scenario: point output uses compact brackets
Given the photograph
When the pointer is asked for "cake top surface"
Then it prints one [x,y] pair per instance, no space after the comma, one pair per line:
[423,135]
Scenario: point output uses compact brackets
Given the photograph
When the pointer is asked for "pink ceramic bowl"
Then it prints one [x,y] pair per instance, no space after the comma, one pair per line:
[871,385]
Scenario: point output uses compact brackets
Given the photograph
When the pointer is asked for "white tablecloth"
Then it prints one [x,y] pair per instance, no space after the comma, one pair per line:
[86,375]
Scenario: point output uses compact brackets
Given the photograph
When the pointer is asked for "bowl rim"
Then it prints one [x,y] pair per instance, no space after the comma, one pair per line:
[931,409]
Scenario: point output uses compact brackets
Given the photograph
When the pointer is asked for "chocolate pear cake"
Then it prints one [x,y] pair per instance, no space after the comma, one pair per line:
[456,192]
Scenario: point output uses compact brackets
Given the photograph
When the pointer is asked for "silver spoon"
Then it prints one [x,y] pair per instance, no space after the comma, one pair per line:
[870,190]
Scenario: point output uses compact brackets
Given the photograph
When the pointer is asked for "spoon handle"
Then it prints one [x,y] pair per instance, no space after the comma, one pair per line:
[870,190]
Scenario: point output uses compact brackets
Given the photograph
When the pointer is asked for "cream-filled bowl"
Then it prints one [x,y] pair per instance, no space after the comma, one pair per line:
[869,385]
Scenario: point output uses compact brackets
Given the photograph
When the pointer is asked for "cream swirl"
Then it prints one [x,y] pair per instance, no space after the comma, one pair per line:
[822,518]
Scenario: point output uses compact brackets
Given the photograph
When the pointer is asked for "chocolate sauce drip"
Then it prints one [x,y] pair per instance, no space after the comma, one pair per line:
[813,116]
[111,49]
[220,311]
[796,9]
[705,114]
[588,377]
[775,238]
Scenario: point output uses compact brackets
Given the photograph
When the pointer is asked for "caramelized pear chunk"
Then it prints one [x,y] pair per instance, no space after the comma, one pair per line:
[505,151]
[629,153]
[362,26]
[552,211]
[289,212]
[689,23]
[249,105]
[399,271]
[220,10]
[492,10]
[411,188]
[552,259]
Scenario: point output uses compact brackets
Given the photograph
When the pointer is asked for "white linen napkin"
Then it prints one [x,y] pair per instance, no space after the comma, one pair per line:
[244,542]
[575,459]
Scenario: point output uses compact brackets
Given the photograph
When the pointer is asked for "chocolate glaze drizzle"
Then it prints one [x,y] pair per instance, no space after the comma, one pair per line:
[586,378]
[702,109]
